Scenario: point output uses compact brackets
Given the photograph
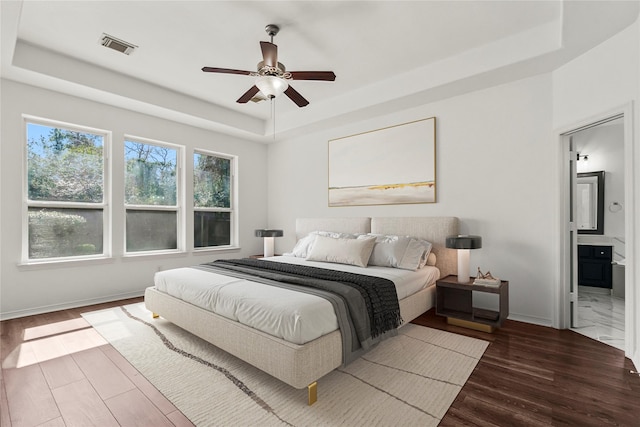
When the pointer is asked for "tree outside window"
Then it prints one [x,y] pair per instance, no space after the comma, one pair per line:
[65,191]
[212,200]
[151,196]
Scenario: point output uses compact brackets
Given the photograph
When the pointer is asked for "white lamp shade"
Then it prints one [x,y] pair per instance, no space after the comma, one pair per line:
[268,246]
[271,86]
[463,265]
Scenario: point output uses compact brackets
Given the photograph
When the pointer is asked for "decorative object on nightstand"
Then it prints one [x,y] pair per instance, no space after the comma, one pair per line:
[455,301]
[268,236]
[463,243]
[486,279]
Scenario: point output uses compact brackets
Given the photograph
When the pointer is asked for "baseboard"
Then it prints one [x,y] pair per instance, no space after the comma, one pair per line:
[64,306]
[531,319]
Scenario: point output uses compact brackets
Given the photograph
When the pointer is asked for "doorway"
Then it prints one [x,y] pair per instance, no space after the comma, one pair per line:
[599,218]
[597,293]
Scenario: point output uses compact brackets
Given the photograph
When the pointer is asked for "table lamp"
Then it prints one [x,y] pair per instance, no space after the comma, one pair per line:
[463,243]
[268,236]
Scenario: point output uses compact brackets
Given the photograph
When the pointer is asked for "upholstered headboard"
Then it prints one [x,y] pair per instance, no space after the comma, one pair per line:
[433,229]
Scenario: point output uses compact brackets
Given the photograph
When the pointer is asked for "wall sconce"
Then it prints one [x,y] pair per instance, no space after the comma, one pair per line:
[463,243]
[268,236]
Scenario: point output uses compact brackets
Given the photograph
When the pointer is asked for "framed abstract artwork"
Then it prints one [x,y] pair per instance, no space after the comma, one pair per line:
[393,165]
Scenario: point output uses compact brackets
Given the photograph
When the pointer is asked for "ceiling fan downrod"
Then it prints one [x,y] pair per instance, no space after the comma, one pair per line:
[272,30]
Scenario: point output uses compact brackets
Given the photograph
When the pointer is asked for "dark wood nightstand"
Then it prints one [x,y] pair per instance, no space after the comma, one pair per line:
[455,301]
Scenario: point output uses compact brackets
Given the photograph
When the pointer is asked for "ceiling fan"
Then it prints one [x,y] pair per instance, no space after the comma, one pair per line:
[272,79]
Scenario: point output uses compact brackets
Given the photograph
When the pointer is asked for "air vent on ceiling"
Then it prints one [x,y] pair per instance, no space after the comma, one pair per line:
[117,44]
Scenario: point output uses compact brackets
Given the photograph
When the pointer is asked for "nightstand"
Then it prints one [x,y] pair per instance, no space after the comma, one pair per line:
[455,301]
[260,256]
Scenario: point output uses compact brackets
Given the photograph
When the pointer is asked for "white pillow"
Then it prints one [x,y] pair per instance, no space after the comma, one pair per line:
[342,250]
[413,256]
[427,251]
[403,252]
[388,250]
[301,249]
[303,246]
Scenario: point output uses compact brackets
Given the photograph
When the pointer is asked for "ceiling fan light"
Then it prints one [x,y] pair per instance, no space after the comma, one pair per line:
[271,86]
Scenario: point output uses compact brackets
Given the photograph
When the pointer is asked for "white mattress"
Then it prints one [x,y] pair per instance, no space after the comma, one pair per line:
[293,316]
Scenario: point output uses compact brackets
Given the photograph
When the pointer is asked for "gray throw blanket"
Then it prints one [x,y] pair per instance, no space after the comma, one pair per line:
[366,306]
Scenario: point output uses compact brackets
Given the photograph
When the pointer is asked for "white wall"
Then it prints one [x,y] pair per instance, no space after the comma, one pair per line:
[493,169]
[27,290]
[605,79]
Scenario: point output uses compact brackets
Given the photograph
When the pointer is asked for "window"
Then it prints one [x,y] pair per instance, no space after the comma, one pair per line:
[151,196]
[66,213]
[213,212]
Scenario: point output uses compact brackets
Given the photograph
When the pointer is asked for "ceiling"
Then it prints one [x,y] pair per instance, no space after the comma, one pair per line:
[387,55]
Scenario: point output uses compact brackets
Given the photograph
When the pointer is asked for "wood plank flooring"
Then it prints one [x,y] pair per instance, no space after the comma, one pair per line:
[57,371]
[531,375]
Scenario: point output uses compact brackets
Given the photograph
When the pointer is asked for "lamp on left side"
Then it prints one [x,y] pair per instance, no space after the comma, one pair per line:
[268,236]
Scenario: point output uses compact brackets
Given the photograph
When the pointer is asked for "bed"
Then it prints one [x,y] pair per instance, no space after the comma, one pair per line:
[300,365]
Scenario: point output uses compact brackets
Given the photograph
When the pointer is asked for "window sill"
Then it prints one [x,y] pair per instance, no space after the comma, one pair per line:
[64,263]
[209,250]
[153,255]
[71,263]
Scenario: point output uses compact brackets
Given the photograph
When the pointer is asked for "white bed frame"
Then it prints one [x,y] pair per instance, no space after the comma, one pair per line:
[301,366]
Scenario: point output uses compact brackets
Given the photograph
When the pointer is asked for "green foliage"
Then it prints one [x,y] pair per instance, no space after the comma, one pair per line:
[65,166]
[211,181]
[150,177]
[53,233]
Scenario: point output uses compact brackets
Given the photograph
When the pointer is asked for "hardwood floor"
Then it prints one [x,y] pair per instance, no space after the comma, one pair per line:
[57,371]
[531,375]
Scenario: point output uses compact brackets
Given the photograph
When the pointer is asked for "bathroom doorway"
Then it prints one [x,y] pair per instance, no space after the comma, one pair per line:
[596,300]
[600,221]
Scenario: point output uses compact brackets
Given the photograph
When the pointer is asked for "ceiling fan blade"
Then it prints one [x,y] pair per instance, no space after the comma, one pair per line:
[313,75]
[296,97]
[246,97]
[225,71]
[269,54]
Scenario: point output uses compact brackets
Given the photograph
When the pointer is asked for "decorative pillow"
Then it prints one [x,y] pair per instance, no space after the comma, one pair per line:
[413,256]
[427,251]
[303,246]
[403,252]
[342,250]
[388,250]
[301,249]
[431,259]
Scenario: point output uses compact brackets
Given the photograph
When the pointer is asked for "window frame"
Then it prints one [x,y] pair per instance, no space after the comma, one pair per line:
[180,191]
[232,209]
[105,205]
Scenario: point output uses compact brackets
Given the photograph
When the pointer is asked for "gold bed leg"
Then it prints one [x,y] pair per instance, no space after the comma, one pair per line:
[313,392]
[155,315]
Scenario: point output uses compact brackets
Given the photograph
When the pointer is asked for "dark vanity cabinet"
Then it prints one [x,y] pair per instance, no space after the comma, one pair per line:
[594,266]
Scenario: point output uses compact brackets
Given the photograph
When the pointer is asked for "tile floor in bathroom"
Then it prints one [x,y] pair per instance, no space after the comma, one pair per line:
[601,316]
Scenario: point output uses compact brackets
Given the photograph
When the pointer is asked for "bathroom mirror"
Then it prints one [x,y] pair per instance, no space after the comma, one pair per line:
[590,203]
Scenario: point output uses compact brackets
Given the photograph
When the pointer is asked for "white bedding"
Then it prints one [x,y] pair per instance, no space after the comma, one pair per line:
[293,316]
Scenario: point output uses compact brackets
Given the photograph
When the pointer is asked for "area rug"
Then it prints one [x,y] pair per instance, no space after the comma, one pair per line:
[410,379]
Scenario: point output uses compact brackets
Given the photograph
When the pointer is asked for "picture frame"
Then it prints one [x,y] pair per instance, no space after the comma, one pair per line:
[387,166]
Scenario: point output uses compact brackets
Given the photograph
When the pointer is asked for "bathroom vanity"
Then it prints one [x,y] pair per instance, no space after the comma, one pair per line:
[594,265]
